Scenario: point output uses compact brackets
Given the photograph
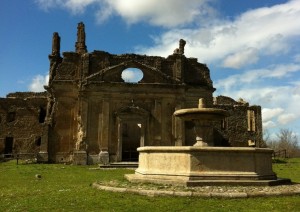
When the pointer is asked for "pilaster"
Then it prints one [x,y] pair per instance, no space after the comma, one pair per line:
[105,132]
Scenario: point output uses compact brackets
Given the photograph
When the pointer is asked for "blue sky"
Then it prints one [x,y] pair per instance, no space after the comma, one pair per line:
[251,47]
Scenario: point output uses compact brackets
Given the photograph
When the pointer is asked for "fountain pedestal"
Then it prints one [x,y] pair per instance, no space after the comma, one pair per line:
[203,119]
[204,134]
[204,164]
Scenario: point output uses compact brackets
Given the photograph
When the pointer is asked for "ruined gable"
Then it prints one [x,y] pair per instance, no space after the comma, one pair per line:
[93,115]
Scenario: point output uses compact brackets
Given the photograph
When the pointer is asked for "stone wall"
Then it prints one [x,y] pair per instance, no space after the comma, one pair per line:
[22,122]
[239,129]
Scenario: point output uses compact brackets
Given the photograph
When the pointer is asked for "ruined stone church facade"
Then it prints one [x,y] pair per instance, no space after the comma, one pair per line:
[90,114]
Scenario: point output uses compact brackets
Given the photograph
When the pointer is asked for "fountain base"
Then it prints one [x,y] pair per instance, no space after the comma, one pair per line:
[196,166]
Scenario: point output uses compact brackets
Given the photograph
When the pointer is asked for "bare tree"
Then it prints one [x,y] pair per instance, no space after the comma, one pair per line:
[270,142]
[287,140]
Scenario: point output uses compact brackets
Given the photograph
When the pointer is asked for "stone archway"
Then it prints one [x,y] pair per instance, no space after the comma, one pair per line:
[132,125]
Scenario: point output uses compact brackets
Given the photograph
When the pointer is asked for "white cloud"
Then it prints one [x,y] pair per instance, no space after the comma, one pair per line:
[75,6]
[234,43]
[268,124]
[256,76]
[256,33]
[239,59]
[279,100]
[167,13]
[38,82]
[269,113]
[297,58]
[286,118]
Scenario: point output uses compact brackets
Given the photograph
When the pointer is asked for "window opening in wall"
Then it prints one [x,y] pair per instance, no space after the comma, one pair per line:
[132,75]
[251,120]
[11,116]
[251,143]
[224,124]
[42,115]
[38,141]
[8,148]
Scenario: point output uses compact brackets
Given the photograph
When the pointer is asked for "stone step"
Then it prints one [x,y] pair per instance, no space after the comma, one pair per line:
[120,165]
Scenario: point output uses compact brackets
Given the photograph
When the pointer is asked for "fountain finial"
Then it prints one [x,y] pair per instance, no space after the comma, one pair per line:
[201,103]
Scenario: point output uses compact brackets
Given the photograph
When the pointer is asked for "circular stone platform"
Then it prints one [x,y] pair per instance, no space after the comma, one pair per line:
[203,191]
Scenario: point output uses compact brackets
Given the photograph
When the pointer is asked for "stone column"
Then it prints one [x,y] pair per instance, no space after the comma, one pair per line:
[166,121]
[142,140]
[80,44]
[105,133]
[157,128]
[81,148]
[179,132]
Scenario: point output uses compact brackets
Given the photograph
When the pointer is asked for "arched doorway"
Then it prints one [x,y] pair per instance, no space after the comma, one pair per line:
[132,133]
[131,140]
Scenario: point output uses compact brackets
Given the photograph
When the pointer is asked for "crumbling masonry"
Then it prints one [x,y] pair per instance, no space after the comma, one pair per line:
[89,114]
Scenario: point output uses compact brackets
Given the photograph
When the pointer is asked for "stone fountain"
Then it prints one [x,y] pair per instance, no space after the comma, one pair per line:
[202,118]
[203,163]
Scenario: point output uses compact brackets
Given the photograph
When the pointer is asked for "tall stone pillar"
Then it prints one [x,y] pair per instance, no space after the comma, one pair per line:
[55,45]
[179,132]
[105,133]
[157,126]
[80,44]
[80,153]
[54,57]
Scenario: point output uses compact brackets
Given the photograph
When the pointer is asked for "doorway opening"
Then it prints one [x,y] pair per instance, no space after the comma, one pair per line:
[131,140]
[8,148]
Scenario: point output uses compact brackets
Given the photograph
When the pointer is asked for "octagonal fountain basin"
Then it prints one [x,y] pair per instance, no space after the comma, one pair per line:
[207,114]
[196,166]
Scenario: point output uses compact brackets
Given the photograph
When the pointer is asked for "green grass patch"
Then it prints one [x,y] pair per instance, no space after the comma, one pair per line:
[290,168]
[68,188]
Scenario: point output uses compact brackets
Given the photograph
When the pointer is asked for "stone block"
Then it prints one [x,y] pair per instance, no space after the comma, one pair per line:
[79,158]
[42,157]
[104,157]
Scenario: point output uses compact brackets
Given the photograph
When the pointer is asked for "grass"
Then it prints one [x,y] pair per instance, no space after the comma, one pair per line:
[68,188]
[288,168]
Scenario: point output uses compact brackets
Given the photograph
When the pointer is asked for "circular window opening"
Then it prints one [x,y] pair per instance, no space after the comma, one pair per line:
[132,75]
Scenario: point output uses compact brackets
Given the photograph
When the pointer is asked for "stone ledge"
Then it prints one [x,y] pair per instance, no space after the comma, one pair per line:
[189,182]
[208,194]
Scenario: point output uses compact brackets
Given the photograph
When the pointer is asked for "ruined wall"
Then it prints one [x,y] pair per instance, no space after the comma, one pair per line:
[22,122]
[91,98]
[88,108]
[243,126]
[63,129]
